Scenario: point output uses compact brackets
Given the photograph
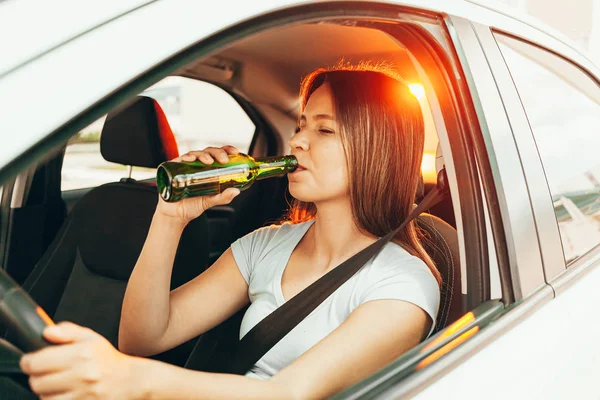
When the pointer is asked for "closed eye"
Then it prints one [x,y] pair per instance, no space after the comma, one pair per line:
[326,131]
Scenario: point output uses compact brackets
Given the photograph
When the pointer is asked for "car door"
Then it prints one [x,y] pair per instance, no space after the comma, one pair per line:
[500,249]
[556,114]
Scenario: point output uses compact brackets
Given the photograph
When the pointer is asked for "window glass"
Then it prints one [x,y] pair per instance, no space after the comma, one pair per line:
[200,114]
[563,107]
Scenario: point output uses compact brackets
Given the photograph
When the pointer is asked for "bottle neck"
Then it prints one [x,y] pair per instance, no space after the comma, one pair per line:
[275,166]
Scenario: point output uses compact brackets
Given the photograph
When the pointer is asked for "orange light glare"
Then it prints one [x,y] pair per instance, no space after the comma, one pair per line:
[428,168]
[448,348]
[417,90]
[450,330]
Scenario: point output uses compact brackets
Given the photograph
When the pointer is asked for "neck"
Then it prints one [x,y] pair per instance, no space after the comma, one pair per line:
[335,236]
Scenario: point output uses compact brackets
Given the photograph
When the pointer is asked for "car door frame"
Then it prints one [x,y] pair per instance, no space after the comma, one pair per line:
[505,163]
[540,197]
[544,320]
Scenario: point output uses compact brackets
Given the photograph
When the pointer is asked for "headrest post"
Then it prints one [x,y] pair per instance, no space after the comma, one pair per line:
[129,171]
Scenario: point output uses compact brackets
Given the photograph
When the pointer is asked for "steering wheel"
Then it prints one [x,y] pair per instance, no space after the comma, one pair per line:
[22,316]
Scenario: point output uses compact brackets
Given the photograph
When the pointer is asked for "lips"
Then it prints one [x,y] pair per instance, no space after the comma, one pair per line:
[299,168]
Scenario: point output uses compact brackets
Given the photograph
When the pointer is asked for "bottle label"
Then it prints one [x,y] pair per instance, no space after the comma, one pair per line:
[237,173]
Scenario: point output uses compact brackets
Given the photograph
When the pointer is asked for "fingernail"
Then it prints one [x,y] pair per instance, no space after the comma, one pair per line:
[235,192]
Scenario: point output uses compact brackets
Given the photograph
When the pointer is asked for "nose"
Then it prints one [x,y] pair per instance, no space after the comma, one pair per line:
[299,141]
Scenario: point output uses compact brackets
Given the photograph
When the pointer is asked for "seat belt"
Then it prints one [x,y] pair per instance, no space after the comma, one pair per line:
[268,332]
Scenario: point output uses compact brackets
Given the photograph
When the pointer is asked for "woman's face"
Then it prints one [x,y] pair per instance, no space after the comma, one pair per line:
[322,174]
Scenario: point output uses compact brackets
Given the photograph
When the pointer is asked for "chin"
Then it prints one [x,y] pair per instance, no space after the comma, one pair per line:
[312,194]
[304,193]
[300,193]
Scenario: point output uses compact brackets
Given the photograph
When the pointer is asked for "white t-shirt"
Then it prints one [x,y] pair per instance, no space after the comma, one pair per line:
[262,256]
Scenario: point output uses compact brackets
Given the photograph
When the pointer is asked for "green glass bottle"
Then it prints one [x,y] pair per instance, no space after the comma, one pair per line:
[178,180]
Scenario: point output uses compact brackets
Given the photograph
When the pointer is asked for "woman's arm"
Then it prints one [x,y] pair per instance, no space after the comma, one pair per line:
[164,381]
[153,319]
[375,334]
[85,365]
[146,309]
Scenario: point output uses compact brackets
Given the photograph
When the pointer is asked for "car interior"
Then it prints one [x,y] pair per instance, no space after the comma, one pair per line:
[73,251]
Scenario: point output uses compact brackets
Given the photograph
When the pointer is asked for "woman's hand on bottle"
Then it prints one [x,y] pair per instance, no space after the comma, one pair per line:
[189,208]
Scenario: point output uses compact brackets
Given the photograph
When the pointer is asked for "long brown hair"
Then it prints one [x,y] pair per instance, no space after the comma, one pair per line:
[382,130]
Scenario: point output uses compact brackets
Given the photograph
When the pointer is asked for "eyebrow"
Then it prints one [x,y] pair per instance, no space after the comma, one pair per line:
[318,116]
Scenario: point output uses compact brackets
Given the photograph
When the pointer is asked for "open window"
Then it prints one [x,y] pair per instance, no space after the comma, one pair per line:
[260,72]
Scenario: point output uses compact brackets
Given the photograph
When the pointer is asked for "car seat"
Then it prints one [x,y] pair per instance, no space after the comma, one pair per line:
[83,275]
[440,239]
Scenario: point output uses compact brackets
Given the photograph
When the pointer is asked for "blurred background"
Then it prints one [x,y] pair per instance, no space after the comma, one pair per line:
[578,20]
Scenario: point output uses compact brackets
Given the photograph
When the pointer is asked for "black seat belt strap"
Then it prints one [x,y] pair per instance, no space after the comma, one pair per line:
[268,332]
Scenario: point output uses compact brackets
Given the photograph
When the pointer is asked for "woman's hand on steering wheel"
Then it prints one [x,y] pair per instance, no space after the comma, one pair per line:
[82,365]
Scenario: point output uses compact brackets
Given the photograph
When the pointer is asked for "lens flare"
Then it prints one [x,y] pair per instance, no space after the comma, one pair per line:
[417,90]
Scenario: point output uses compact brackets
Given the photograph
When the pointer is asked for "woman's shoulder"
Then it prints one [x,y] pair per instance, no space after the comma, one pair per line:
[395,255]
[395,263]
[396,274]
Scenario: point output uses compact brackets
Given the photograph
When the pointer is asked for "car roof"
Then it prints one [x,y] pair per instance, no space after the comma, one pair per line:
[38,34]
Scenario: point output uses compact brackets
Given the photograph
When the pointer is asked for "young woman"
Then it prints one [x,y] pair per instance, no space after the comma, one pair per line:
[359,144]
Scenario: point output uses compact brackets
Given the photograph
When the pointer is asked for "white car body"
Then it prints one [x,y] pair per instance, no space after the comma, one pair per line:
[54,65]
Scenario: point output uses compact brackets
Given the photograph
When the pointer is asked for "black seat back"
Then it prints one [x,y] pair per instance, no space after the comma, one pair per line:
[440,241]
[83,275]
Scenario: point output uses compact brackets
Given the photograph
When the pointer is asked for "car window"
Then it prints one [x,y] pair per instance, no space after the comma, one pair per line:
[562,104]
[200,114]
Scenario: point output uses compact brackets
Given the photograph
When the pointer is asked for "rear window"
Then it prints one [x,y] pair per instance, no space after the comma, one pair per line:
[199,113]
